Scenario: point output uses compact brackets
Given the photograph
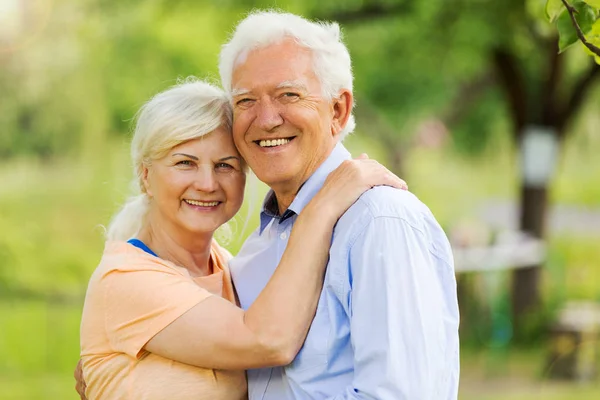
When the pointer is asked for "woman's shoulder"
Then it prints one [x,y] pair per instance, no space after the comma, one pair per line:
[121,256]
[221,251]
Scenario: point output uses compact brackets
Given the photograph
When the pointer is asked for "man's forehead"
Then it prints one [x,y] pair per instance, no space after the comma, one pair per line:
[277,57]
[275,45]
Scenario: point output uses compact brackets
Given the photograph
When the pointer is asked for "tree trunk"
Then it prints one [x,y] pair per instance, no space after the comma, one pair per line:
[526,281]
[539,146]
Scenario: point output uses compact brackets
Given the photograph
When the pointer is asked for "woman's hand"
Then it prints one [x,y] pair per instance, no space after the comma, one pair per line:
[349,181]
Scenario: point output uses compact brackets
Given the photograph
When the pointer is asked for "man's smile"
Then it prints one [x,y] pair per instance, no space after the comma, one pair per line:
[274,142]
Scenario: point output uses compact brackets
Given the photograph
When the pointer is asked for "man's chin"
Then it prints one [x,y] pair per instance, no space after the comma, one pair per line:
[274,179]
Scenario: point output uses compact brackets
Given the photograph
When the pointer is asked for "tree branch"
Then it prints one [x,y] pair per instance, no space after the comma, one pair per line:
[511,82]
[572,11]
[366,12]
[549,114]
[577,96]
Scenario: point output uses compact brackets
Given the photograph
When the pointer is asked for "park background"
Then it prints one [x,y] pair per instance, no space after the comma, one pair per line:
[444,91]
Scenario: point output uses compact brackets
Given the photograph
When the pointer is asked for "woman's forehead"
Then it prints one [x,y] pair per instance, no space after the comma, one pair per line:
[216,142]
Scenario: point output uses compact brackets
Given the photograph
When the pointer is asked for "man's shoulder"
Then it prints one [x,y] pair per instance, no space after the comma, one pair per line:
[387,202]
[397,205]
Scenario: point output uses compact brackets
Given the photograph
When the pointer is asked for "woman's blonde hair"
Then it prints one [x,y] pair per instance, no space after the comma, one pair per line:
[186,111]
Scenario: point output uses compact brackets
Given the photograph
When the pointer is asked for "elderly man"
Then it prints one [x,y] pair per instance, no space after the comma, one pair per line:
[387,322]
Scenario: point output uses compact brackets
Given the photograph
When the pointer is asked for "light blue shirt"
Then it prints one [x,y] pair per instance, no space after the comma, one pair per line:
[386,326]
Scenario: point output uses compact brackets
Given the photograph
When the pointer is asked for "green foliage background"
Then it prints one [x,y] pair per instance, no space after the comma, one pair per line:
[75,74]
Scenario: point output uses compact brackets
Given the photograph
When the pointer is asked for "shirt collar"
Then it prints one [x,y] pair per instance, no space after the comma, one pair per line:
[307,191]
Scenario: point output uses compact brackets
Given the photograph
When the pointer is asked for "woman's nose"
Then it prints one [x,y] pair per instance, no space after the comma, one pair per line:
[206,180]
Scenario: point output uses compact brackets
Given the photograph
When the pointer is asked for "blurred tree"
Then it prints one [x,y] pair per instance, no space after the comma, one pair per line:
[83,79]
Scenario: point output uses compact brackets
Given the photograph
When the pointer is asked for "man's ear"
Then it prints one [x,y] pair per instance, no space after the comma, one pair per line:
[145,181]
[342,108]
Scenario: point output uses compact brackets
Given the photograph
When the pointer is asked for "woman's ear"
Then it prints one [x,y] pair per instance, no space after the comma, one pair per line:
[342,108]
[146,181]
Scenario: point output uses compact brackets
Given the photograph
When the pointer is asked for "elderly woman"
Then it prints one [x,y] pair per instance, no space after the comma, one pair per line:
[160,319]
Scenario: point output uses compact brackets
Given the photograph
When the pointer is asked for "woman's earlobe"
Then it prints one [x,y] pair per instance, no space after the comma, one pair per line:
[146,182]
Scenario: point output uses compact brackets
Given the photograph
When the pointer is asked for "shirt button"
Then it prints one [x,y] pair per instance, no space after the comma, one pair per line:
[283,236]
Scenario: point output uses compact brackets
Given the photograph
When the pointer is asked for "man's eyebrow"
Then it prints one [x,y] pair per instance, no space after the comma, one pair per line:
[239,92]
[186,155]
[292,85]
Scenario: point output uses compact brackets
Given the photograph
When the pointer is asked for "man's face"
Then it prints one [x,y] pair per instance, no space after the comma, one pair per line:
[283,126]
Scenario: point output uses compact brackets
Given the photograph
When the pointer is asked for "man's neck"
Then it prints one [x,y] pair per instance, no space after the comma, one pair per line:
[285,194]
[284,202]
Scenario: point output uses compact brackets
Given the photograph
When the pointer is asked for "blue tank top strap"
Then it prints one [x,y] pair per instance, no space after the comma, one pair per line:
[141,245]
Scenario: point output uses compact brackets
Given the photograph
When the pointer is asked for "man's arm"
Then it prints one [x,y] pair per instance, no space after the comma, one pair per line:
[404,314]
[79,381]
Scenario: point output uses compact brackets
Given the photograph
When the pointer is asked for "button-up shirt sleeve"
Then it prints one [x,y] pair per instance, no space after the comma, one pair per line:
[403,314]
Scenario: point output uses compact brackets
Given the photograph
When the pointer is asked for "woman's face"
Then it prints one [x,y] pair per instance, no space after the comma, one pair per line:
[198,185]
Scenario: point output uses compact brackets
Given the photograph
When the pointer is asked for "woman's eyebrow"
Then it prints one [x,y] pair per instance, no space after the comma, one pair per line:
[186,155]
[229,158]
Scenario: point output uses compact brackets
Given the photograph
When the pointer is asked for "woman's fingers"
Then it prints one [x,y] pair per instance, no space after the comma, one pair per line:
[373,173]
[351,179]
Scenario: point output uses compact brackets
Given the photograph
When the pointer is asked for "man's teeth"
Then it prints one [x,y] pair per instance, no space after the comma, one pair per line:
[203,203]
[272,143]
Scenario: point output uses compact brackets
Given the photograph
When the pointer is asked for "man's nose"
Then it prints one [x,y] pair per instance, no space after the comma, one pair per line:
[268,115]
[206,179]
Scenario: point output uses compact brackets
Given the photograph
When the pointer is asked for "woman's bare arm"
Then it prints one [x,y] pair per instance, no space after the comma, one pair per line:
[217,334]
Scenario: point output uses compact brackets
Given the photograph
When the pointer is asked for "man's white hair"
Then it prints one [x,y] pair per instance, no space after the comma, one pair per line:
[332,64]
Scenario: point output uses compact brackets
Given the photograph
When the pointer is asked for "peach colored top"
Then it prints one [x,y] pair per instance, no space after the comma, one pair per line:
[133,295]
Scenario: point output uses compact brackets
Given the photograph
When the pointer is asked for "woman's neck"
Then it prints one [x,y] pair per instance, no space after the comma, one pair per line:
[191,251]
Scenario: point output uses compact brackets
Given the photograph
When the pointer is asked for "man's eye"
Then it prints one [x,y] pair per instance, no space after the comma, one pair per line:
[291,95]
[243,101]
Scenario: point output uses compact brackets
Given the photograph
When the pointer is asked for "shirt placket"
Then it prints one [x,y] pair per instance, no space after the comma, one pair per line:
[281,232]
[283,235]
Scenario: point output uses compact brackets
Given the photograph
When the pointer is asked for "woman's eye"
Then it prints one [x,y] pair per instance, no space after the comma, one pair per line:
[184,163]
[224,166]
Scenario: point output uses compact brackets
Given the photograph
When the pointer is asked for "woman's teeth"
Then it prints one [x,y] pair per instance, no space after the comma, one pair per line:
[202,203]
[273,143]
